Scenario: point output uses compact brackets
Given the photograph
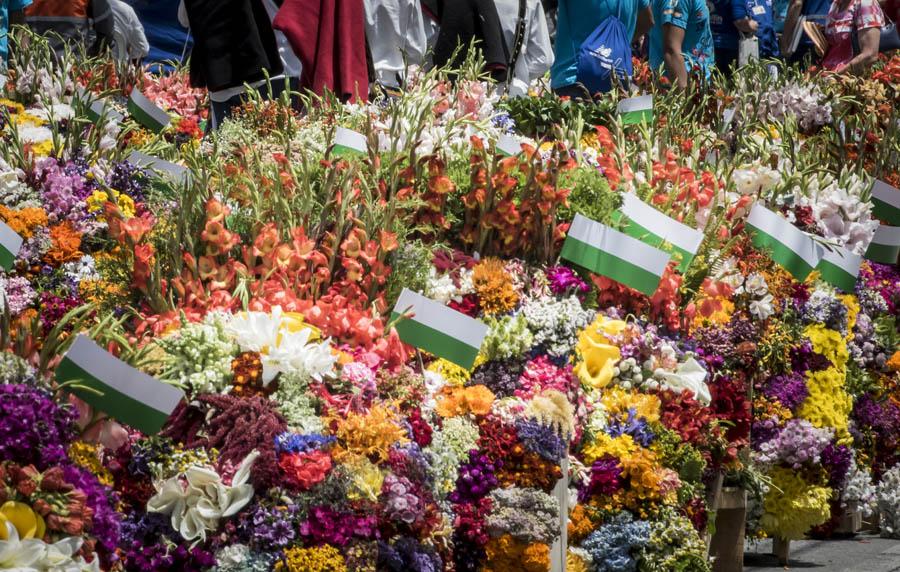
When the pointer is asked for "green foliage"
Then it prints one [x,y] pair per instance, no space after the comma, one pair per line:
[536,117]
[590,196]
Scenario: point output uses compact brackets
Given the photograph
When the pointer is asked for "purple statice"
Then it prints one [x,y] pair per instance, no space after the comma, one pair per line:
[33,429]
[837,459]
[399,500]
[636,427]
[18,294]
[822,308]
[407,555]
[606,478]
[541,439]
[883,417]
[35,246]
[62,191]
[871,301]
[742,329]
[296,443]
[501,377]
[789,389]
[564,281]
[476,478]
[325,525]
[106,527]
[798,443]
[125,178]
[269,528]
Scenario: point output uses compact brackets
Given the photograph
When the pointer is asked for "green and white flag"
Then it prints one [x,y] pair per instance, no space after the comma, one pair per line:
[614,254]
[790,247]
[885,245]
[508,145]
[886,200]
[652,227]
[10,243]
[119,390]
[146,112]
[636,109]
[176,173]
[438,329]
[99,108]
[840,268]
[349,142]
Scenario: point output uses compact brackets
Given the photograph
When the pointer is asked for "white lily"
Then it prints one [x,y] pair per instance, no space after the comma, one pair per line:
[198,499]
[33,554]
[689,375]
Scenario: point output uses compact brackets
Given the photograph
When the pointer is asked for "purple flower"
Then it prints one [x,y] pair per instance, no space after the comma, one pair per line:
[563,280]
[19,294]
[837,459]
[324,525]
[476,478]
[636,427]
[33,429]
[606,478]
[106,521]
[790,389]
[541,439]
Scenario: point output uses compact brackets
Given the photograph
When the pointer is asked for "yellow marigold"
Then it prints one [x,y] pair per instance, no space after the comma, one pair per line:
[494,287]
[325,558]
[505,554]
[42,149]
[793,506]
[87,455]
[24,221]
[370,434]
[26,118]
[580,524]
[96,201]
[575,563]
[619,401]
[454,374]
[126,205]
[619,447]
[643,473]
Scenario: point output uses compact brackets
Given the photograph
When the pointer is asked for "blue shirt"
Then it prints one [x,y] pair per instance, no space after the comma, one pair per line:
[724,13]
[692,16]
[7,6]
[721,24]
[575,21]
[763,11]
[815,11]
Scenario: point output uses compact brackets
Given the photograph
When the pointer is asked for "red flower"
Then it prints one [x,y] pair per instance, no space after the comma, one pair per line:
[304,470]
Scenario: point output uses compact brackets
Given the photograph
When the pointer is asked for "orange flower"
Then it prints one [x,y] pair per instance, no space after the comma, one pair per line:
[494,286]
[456,401]
[24,221]
[893,364]
[66,242]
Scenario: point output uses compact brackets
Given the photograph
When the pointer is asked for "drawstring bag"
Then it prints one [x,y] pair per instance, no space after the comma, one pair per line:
[605,54]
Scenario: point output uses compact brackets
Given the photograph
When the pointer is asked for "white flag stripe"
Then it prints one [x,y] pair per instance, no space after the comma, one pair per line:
[121,377]
[10,239]
[509,144]
[619,245]
[639,103]
[145,161]
[886,193]
[669,229]
[887,235]
[441,318]
[350,138]
[784,232]
[150,108]
[844,259]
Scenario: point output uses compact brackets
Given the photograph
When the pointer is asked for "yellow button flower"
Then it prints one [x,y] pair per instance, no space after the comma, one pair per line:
[28,523]
[96,201]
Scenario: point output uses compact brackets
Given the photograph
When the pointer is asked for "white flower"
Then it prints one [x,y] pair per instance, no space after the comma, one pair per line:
[198,499]
[35,554]
[689,375]
[31,134]
[283,344]
[755,285]
[56,112]
[762,308]
[440,288]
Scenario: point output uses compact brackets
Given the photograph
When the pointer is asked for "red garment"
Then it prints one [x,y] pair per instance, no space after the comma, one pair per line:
[329,37]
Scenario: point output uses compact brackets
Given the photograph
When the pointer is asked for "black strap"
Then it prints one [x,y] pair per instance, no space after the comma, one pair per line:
[518,42]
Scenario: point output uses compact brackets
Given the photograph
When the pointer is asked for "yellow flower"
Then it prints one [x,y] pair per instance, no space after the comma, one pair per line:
[618,401]
[619,447]
[294,322]
[366,478]
[793,505]
[96,201]
[126,205]
[598,355]
[455,375]
[852,305]
[27,523]
[25,118]
[324,558]
[42,149]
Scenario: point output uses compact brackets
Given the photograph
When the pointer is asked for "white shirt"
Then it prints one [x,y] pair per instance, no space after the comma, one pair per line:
[396,34]
[128,32]
[289,60]
[536,56]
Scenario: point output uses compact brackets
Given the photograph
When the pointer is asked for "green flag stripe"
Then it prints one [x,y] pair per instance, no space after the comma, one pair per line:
[836,276]
[436,342]
[646,236]
[883,253]
[115,403]
[784,256]
[609,265]
[344,150]
[634,117]
[7,260]
[886,211]
[144,117]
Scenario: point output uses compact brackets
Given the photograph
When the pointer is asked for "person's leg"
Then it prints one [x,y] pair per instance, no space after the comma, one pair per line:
[219,111]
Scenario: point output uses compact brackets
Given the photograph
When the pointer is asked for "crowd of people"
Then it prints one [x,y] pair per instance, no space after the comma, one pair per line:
[356,46]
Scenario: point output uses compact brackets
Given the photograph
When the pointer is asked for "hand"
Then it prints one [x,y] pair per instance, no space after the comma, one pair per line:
[747,25]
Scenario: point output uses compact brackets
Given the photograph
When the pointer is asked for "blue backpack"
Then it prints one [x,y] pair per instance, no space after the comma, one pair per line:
[605,53]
